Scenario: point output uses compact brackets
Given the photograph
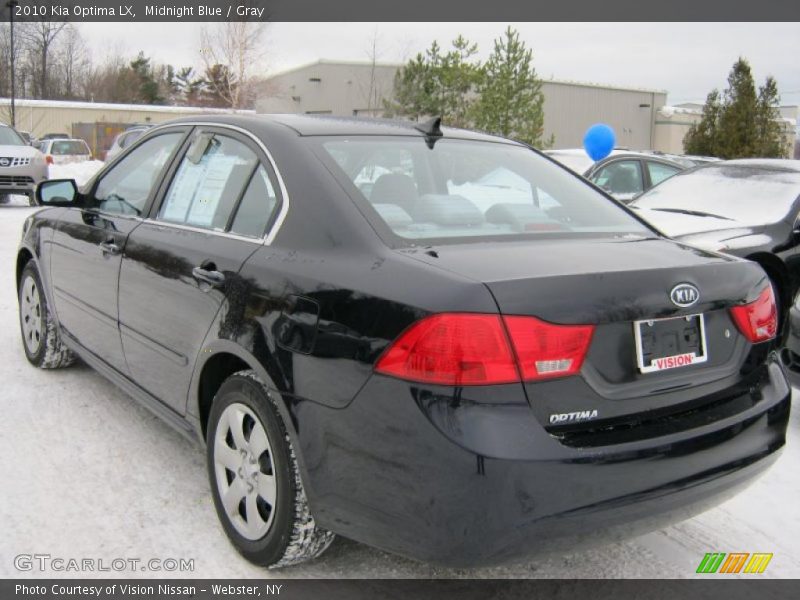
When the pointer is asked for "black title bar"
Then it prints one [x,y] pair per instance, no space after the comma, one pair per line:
[134,11]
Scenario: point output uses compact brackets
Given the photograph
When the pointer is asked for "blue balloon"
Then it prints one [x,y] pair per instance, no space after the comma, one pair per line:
[599,141]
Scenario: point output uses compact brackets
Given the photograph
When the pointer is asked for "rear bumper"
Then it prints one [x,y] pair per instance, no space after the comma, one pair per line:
[463,482]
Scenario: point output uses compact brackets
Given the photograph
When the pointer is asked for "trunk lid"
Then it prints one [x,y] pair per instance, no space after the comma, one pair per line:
[611,284]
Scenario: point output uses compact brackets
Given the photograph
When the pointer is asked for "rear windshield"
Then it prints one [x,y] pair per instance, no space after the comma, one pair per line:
[9,137]
[470,189]
[756,195]
[68,147]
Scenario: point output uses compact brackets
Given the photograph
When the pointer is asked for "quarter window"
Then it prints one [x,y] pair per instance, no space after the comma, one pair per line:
[127,186]
[209,182]
[659,172]
[256,207]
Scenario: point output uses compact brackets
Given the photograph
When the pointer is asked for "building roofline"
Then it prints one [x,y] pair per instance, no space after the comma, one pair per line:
[364,63]
[26,102]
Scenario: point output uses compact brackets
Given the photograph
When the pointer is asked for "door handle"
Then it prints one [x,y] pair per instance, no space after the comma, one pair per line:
[109,247]
[212,277]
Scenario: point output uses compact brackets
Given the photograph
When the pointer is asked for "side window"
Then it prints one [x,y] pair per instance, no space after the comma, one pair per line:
[209,182]
[620,178]
[659,172]
[256,207]
[126,187]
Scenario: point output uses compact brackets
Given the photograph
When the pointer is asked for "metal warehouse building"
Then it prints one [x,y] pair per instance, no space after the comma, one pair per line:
[357,88]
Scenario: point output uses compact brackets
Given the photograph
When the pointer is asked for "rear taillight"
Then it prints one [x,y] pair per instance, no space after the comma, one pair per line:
[48,159]
[476,349]
[758,320]
[547,350]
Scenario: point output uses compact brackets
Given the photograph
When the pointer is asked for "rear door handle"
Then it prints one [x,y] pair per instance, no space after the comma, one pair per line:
[211,277]
[109,247]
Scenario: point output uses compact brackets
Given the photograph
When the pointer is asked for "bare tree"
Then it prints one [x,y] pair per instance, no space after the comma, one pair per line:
[73,62]
[370,89]
[39,36]
[236,49]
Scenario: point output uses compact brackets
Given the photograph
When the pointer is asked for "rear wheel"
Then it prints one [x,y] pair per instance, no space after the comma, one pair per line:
[40,336]
[254,477]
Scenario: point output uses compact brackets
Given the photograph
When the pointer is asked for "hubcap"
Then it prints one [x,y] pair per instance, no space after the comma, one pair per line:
[245,471]
[30,314]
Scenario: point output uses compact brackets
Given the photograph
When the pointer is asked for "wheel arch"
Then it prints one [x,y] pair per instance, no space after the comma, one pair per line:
[24,256]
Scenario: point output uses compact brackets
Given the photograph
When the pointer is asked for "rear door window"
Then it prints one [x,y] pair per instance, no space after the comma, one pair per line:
[620,178]
[209,182]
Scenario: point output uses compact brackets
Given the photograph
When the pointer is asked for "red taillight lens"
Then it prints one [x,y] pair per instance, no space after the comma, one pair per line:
[758,321]
[548,350]
[474,349]
[48,159]
[452,349]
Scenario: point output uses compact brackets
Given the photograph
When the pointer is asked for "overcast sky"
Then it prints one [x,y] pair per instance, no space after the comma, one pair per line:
[686,59]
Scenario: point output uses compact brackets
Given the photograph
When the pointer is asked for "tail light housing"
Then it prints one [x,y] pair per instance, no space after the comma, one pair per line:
[758,320]
[48,159]
[458,349]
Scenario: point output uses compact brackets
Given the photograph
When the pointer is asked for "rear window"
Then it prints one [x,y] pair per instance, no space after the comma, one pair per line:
[68,147]
[470,189]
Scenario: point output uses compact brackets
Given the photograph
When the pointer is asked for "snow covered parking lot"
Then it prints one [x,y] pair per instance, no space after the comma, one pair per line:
[87,473]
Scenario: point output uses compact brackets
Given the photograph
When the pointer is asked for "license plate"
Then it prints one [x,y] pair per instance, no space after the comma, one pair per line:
[671,343]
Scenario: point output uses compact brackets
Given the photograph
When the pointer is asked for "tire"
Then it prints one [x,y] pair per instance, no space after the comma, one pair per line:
[40,337]
[253,471]
[5,198]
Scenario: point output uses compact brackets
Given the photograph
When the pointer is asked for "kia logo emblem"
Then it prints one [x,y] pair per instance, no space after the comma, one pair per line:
[684,295]
[4,162]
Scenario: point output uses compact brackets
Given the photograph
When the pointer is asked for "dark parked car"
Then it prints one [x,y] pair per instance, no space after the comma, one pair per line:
[623,174]
[397,365]
[749,208]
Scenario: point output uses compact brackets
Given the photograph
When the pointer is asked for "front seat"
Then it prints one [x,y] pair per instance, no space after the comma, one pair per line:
[395,188]
[623,181]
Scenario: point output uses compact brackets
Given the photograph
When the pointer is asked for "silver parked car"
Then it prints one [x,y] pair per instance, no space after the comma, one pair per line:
[125,139]
[22,167]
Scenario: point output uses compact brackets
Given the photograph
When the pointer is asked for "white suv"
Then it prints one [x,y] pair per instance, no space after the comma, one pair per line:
[22,167]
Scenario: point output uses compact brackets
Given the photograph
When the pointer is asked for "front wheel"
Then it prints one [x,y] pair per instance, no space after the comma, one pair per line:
[40,335]
[254,478]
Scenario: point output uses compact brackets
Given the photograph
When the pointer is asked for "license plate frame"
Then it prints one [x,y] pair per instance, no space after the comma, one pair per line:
[674,361]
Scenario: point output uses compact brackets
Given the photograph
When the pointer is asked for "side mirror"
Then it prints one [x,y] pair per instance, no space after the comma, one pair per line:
[57,192]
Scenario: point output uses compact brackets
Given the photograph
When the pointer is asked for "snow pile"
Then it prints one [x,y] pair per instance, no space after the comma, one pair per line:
[80,172]
[669,111]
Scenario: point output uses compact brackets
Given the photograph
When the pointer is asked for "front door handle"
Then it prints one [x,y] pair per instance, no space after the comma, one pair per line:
[109,247]
[212,277]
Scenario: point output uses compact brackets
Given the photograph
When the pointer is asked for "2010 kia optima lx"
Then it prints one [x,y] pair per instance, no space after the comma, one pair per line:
[436,342]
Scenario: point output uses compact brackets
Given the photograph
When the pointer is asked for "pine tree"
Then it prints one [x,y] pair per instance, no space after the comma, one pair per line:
[510,100]
[438,84]
[741,123]
[769,133]
[701,137]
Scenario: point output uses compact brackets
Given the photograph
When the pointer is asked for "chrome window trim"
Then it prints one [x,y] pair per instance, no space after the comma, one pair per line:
[267,238]
[253,240]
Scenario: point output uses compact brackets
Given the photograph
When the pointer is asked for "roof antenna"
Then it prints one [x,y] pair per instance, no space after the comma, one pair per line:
[432,130]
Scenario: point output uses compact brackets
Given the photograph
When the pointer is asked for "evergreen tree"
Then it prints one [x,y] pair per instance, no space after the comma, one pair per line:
[510,100]
[147,91]
[438,84]
[701,137]
[769,133]
[741,123]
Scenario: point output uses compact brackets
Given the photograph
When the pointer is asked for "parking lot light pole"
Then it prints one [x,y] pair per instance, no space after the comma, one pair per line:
[12,4]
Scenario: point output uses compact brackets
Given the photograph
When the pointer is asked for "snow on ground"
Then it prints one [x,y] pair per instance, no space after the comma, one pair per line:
[80,172]
[88,473]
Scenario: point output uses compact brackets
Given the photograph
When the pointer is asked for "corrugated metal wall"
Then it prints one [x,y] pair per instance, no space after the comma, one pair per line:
[571,108]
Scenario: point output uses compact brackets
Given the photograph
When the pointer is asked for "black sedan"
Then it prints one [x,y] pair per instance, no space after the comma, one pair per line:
[749,208]
[376,339]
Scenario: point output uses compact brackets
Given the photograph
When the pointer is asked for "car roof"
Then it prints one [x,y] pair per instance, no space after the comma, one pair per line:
[768,164]
[320,125]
